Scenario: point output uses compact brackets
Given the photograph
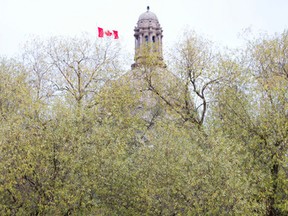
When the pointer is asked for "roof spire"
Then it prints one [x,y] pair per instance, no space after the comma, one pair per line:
[148,8]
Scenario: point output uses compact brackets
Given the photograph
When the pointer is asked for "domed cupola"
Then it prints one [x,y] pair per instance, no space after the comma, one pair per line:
[148,33]
[148,19]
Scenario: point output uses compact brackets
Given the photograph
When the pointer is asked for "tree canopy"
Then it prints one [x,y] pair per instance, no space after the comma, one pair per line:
[206,136]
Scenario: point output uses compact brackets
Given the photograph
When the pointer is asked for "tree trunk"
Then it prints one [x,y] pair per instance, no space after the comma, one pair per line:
[272,209]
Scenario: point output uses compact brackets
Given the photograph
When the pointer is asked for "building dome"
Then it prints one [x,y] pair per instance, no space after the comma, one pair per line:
[148,19]
[148,15]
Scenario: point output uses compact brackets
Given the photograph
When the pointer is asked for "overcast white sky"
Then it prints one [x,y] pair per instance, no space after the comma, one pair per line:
[219,20]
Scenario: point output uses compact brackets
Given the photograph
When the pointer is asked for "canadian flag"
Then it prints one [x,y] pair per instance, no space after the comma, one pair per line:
[108,33]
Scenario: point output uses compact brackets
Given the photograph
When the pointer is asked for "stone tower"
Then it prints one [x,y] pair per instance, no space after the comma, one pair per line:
[148,39]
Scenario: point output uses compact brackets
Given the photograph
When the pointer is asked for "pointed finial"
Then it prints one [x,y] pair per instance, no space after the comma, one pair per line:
[148,8]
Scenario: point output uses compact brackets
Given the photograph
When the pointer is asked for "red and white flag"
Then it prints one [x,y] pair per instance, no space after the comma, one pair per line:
[115,33]
[108,33]
[100,32]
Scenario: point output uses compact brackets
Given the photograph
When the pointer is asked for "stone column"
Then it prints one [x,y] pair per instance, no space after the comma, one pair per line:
[140,40]
[159,45]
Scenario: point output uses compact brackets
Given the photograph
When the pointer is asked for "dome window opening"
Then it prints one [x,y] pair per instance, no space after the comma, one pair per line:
[146,38]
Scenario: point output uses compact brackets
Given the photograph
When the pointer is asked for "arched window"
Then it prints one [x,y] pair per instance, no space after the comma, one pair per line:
[146,38]
[153,39]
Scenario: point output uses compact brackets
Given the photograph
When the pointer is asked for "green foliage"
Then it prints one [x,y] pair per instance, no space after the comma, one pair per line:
[76,141]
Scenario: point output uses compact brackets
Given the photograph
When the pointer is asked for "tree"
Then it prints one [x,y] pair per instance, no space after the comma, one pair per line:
[194,61]
[270,70]
[252,110]
[75,67]
[48,161]
[208,139]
